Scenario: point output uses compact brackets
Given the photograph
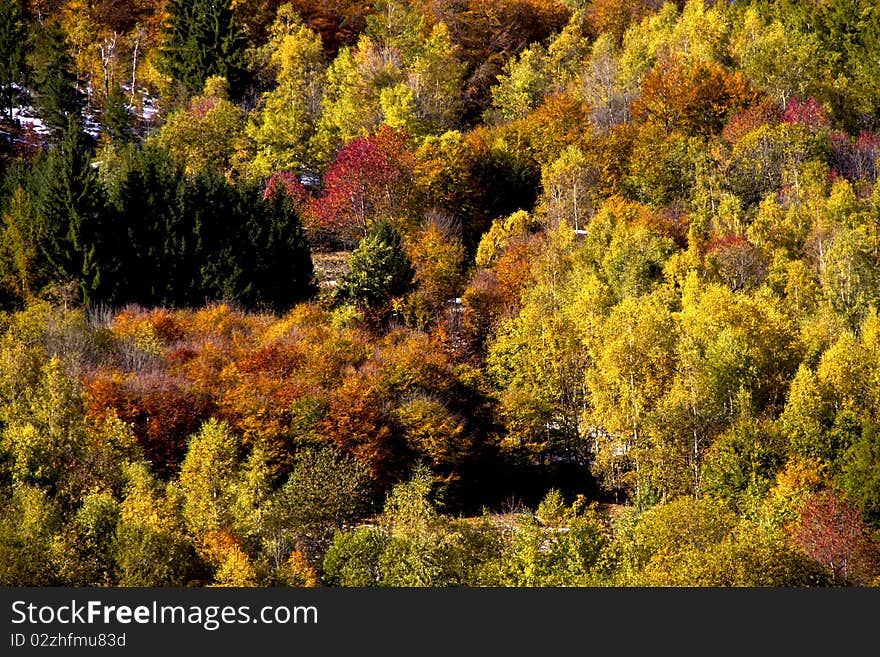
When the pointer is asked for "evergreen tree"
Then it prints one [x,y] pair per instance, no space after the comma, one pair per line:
[148,195]
[281,268]
[70,215]
[216,211]
[13,41]
[202,39]
[379,270]
[117,117]
[54,85]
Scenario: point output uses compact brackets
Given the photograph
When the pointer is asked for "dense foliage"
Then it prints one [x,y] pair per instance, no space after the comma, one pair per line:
[428,293]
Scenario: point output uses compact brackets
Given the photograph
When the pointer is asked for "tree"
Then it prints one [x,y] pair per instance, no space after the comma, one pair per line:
[22,270]
[148,191]
[860,474]
[13,40]
[88,542]
[29,522]
[280,261]
[435,78]
[673,528]
[741,465]
[695,99]
[151,546]
[438,259]
[207,133]
[780,60]
[285,121]
[206,477]
[74,236]
[832,533]
[538,360]
[600,86]
[379,271]
[47,436]
[635,359]
[568,189]
[117,117]
[368,182]
[521,85]
[57,98]
[326,491]
[353,557]
[202,39]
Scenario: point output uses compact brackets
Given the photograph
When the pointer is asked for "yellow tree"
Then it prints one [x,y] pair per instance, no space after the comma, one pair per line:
[284,122]
[635,359]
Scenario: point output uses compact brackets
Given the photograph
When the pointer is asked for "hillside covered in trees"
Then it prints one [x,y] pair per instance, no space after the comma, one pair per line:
[439,293]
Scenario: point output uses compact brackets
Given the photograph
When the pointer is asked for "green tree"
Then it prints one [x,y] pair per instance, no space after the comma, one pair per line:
[207,133]
[669,530]
[353,557]
[379,270]
[150,195]
[860,474]
[29,522]
[45,438]
[635,361]
[22,270]
[741,465]
[780,60]
[88,543]
[326,491]
[74,236]
[55,91]
[207,475]
[568,184]
[279,260]
[202,39]
[13,42]
[435,79]
[522,84]
[151,546]
[117,117]
[284,123]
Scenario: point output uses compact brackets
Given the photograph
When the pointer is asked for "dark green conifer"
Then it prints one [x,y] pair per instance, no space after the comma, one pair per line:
[201,40]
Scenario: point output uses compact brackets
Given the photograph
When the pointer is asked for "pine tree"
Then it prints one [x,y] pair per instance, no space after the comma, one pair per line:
[281,268]
[148,195]
[117,117]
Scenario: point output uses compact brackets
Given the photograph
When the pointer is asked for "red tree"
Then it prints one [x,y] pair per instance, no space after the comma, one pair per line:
[743,122]
[807,112]
[369,180]
[832,533]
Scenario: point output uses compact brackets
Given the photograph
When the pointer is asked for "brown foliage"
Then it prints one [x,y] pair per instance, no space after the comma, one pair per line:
[162,410]
[691,98]
[766,112]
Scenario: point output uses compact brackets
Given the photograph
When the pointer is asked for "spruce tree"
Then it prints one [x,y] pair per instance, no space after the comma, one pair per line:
[148,193]
[280,266]
[70,215]
[55,92]
[13,44]
[379,270]
[201,40]
[117,117]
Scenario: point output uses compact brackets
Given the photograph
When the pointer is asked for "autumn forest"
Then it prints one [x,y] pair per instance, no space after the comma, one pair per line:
[439,293]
